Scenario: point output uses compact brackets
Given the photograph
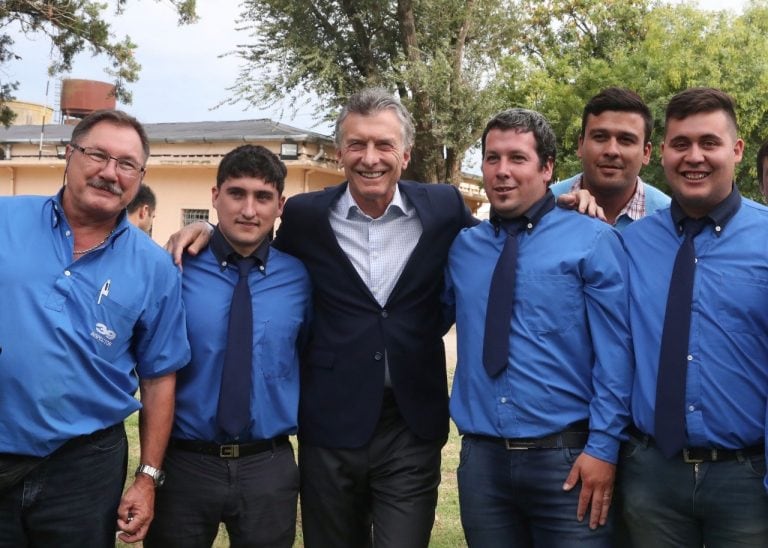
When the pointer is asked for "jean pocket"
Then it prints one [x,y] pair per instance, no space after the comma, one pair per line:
[571,454]
[111,440]
[629,449]
[755,465]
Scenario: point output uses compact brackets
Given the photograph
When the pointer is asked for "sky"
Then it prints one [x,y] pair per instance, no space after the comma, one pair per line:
[185,69]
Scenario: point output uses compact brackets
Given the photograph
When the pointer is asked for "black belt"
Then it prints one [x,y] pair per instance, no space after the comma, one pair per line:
[695,455]
[573,437]
[230,450]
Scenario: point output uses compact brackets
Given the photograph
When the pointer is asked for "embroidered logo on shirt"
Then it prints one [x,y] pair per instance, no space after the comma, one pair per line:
[103,334]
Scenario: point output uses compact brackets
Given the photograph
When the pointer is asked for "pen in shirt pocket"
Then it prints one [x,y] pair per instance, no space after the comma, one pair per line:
[104,291]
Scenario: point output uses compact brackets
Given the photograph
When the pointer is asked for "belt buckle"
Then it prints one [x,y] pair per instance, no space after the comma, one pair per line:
[689,460]
[231,451]
[513,445]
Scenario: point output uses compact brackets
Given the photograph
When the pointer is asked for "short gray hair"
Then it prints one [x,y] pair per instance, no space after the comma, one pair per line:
[115,117]
[371,101]
[524,120]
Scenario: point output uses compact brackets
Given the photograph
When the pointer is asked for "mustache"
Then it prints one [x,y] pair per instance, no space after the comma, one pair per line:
[109,186]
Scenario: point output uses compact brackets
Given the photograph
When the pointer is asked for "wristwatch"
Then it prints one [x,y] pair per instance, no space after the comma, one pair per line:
[158,476]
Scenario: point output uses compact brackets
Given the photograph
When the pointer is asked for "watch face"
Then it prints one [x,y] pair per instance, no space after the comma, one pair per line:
[160,479]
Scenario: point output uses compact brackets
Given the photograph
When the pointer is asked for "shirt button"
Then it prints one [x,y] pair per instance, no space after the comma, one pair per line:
[695,260]
[503,400]
[384,314]
[689,358]
[691,408]
[718,228]
[68,233]
[67,273]
[261,268]
[377,356]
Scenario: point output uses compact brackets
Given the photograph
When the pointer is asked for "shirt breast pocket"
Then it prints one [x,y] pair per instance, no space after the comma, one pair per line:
[276,346]
[548,303]
[113,328]
[742,307]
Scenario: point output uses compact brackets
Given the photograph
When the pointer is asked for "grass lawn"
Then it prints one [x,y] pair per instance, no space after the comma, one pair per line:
[447,531]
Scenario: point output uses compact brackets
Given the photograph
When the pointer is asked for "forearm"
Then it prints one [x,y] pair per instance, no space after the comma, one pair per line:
[156,417]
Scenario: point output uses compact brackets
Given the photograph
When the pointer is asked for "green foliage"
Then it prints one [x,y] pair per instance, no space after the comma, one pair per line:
[73,26]
[440,56]
[656,49]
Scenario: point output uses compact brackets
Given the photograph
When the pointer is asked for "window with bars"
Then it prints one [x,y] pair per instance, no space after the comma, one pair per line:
[192,215]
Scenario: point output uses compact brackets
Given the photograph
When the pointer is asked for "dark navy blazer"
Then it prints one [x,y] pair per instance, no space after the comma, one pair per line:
[342,368]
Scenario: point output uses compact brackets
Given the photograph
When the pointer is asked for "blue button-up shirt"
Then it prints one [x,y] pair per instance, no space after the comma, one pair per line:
[76,336]
[280,295]
[727,377]
[570,353]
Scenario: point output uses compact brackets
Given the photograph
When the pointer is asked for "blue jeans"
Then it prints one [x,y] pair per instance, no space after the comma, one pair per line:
[670,503]
[254,496]
[71,499]
[515,498]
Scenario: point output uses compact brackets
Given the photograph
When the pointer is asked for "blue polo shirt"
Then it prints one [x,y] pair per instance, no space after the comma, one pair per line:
[727,373]
[76,336]
[280,294]
[570,353]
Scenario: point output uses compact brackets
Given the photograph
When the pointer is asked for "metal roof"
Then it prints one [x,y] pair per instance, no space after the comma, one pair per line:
[179,132]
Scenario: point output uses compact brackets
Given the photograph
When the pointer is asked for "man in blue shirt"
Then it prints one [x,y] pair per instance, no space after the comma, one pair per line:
[712,491]
[249,480]
[614,145]
[90,309]
[554,415]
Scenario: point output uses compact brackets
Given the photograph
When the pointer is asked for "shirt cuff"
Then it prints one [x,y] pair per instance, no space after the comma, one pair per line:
[603,446]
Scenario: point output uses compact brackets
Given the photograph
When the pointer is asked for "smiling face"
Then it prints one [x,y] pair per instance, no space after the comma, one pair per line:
[247,208]
[512,175]
[612,152]
[699,155]
[95,192]
[374,156]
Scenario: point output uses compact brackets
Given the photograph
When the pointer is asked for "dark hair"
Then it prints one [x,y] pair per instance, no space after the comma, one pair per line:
[252,161]
[144,196]
[762,154]
[116,117]
[523,121]
[701,100]
[621,100]
[372,101]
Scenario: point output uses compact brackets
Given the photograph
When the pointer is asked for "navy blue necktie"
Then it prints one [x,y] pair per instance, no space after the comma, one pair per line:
[501,300]
[673,357]
[234,411]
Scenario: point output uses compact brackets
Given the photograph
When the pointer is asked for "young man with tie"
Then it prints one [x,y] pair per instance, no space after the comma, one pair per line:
[229,458]
[693,471]
[542,382]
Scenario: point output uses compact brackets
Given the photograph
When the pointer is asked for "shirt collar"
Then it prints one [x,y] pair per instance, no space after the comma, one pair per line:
[57,215]
[634,208]
[225,255]
[720,215]
[349,209]
[531,217]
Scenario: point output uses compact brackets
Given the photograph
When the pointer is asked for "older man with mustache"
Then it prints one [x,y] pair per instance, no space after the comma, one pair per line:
[90,309]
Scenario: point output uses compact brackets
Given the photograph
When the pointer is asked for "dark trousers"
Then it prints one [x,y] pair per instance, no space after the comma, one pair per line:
[383,494]
[254,496]
[669,503]
[71,499]
[515,498]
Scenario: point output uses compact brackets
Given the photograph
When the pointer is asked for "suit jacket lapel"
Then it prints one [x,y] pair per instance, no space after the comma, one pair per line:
[419,198]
